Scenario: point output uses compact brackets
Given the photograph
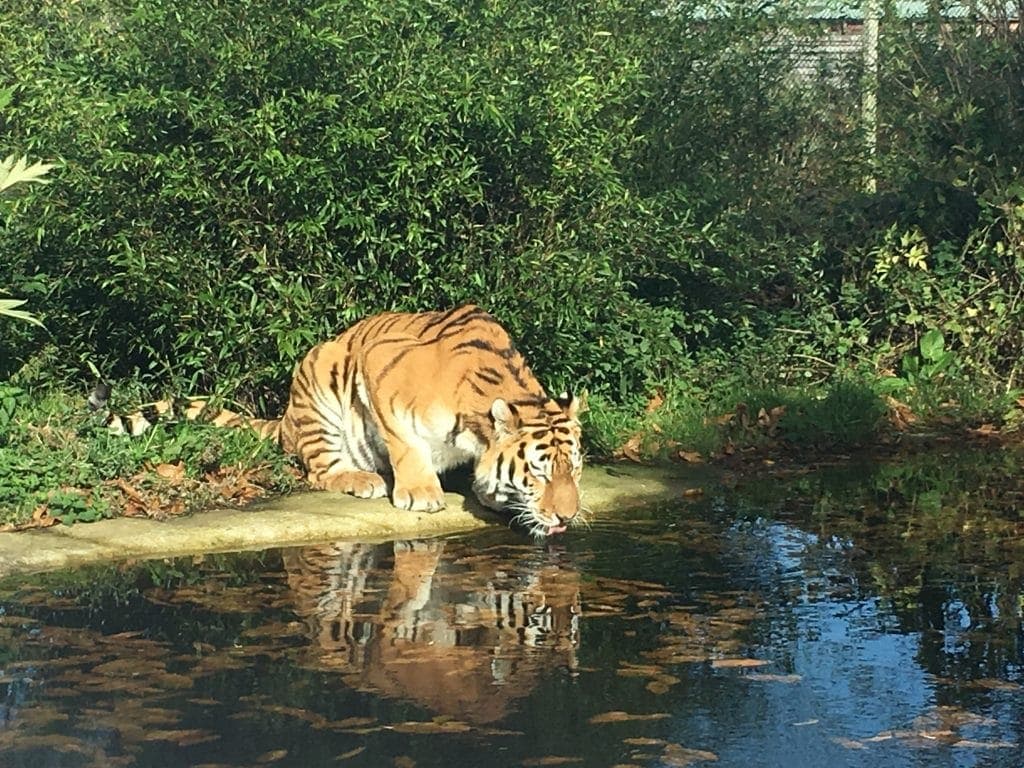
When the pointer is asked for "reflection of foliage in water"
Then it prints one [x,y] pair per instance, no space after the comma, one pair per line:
[123,596]
[616,646]
[937,535]
[223,632]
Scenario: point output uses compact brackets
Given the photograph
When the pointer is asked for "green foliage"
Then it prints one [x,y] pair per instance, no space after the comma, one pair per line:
[920,371]
[642,195]
[11,398]
[241,185]
[848,413]
[54,455]
[72,507]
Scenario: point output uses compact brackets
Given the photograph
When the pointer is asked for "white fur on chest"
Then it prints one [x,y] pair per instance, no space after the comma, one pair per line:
[435,430]
[447,456]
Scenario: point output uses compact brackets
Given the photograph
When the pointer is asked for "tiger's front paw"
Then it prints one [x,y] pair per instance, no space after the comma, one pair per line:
[419,498]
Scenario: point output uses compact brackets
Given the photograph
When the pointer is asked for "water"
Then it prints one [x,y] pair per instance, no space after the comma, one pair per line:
[869,615]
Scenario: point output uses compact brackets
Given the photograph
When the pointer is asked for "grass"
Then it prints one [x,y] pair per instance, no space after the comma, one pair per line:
[847,413]
[58,463]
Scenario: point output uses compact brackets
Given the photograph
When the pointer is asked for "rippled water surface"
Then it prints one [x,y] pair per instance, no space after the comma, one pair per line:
[868,616]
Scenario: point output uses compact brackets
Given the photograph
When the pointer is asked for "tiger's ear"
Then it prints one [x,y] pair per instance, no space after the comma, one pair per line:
[504,416]
[573,405]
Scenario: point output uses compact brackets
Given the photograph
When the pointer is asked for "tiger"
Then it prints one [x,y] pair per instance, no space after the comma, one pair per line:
[412,620]
[408,396]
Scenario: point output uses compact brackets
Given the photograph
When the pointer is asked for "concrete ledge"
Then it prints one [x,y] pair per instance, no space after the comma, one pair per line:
[308,517]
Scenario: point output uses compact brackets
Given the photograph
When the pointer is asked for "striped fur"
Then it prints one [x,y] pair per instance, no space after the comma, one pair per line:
[412,395]
[408,396]
[412,621]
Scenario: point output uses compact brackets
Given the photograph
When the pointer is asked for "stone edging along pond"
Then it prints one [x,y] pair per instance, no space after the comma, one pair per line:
[307,518]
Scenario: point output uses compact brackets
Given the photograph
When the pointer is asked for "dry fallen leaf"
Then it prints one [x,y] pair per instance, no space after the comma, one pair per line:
[770,678]
[618,716]
[992,684]
[41,518]
[738,663]
[183,736]
[654,403]
[691,457]
[661,685]
[900,415]
[723,420]
[350,754]
[272,756]
[630,449]
[676,755]
[174,472]
[973,744]
[848,743]
[429,726]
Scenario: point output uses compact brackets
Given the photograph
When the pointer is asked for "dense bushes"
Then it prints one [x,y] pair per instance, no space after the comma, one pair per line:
[237,184]
[630,190]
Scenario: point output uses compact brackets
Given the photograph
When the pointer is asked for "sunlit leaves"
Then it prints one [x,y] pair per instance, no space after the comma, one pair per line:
[9,308]
[16,170]
[259,180]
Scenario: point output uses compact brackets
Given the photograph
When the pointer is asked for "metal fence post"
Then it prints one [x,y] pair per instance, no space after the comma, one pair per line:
[869,88]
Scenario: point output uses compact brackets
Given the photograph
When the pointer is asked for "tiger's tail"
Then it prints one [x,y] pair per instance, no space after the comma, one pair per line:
[199,410]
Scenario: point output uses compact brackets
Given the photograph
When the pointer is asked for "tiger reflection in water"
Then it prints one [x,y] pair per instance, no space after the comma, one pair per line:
[463,637]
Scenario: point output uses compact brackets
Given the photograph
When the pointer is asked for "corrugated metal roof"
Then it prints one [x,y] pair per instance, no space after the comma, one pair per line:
[851,10]
[906,9]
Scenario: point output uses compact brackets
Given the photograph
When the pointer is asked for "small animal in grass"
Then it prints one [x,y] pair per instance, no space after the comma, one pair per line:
[409,395]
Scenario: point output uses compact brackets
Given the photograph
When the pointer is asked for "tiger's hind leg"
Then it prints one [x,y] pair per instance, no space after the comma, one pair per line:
[358,482]
[327,427]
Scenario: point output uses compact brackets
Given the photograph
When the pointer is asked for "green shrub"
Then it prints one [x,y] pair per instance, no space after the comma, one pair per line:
[633,191]
[238,185]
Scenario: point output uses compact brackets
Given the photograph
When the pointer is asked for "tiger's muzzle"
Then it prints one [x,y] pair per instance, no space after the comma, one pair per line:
[559,503]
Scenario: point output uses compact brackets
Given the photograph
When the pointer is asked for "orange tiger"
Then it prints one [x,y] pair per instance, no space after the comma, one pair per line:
[409,620]
[410,395]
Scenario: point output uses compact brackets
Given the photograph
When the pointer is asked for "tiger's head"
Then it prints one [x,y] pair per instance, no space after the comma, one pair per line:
[532,466]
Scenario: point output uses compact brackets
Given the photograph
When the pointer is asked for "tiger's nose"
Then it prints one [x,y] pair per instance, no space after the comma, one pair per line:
[561,500]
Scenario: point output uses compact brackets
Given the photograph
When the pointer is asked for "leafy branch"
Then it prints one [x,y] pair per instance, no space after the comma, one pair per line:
[16,170]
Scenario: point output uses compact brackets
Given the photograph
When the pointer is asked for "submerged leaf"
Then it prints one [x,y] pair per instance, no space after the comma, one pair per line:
[677,755]
[618,716]
[771,678]
[738,663]
[350,754]
[272,757]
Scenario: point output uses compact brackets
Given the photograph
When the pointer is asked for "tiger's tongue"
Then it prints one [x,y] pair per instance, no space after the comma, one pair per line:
[553,529]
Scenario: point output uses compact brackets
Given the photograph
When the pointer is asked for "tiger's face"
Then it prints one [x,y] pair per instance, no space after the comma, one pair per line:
[533,467]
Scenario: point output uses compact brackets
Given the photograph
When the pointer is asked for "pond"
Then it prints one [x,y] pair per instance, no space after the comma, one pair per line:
[862,615]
